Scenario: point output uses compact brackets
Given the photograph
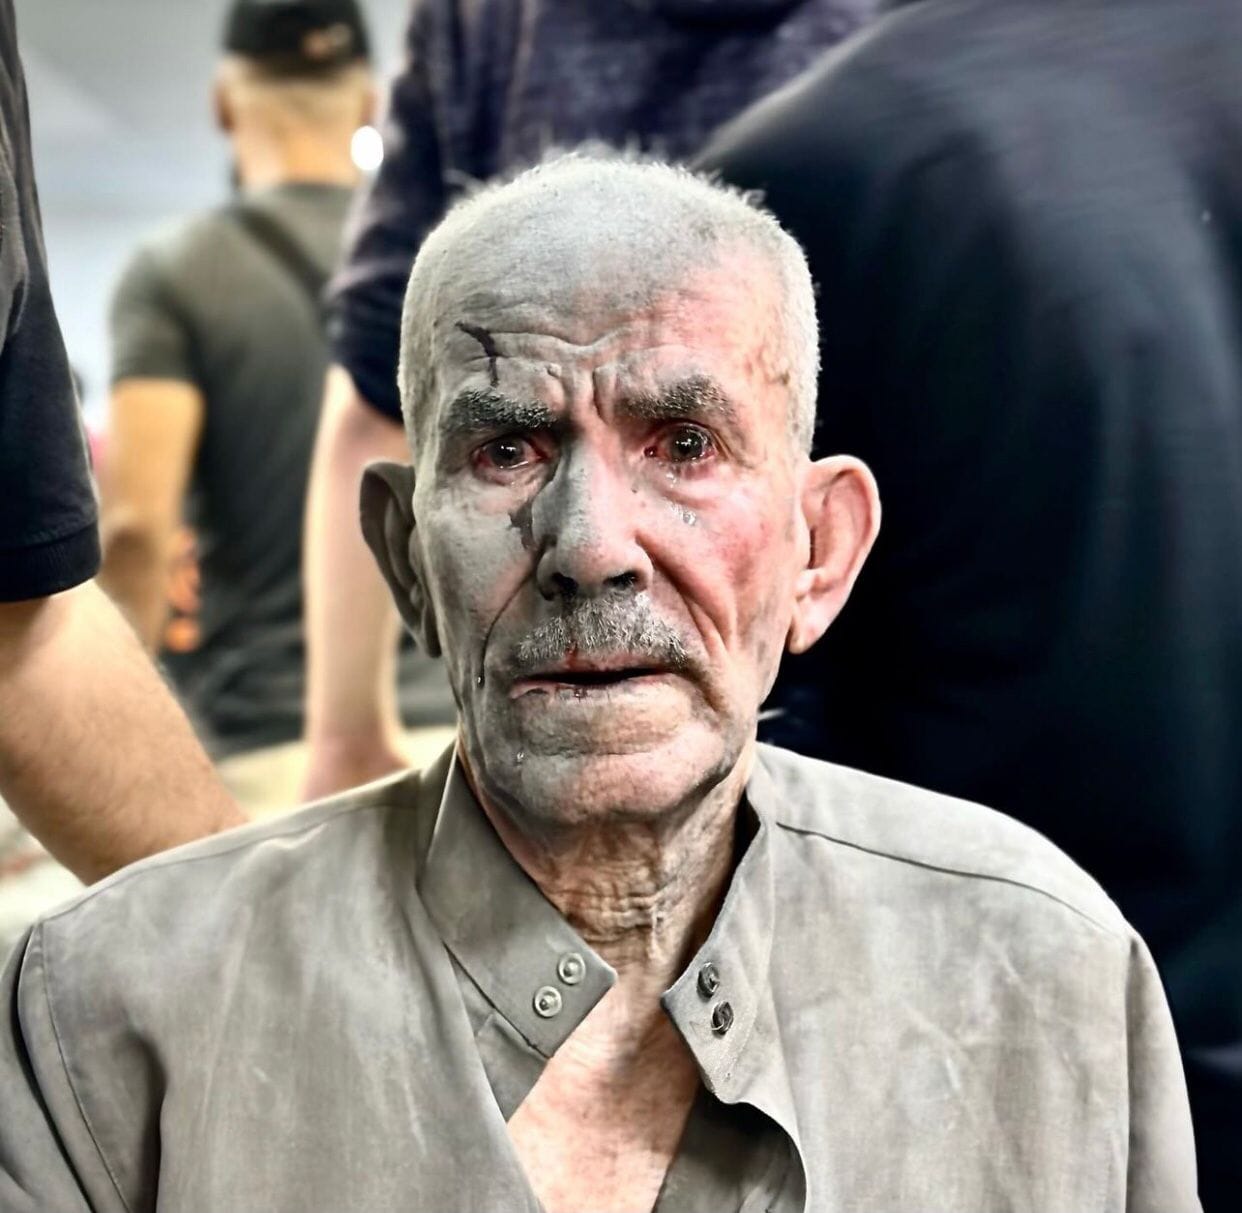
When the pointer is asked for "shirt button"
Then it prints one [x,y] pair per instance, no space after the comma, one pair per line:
[547,1002]
[722,1018]
[709,980]
[571,968]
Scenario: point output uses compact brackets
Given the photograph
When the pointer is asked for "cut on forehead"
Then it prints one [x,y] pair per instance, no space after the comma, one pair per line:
[635,228]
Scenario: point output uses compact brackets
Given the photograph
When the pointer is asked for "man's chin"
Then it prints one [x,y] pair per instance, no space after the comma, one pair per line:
[634,715]
[634,782]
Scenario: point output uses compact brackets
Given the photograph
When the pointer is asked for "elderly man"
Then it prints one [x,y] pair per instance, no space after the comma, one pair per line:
[609,954]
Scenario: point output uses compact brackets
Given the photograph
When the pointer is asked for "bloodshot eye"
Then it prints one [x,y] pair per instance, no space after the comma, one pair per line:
[505,454]
[682,444]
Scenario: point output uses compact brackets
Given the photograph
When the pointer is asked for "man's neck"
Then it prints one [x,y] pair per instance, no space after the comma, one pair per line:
[612,1103]
[309,159]
[643,895]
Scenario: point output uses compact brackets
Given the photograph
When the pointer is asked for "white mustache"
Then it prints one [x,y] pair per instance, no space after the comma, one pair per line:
[602,627]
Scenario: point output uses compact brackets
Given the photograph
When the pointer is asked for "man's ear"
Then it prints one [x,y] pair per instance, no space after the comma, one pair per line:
[387,503]
[370,104]
[841,507]
[222,106]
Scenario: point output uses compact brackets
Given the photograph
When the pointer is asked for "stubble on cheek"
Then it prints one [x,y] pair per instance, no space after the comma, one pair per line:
[757,557]
[481,560]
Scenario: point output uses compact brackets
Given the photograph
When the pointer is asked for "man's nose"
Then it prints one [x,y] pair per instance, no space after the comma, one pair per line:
[584,523]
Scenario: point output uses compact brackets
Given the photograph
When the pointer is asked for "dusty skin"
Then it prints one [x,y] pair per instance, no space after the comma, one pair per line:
[612,535]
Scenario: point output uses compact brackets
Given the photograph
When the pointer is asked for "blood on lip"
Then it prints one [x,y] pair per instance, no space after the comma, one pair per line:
[571,677]
[577,673]
[575,663]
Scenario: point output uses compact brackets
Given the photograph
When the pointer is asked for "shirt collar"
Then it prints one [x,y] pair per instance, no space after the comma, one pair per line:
[716,1001]
[529,963]
[740,1051]
[537,972]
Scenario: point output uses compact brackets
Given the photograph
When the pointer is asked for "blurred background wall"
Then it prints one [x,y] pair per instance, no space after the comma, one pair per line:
[124,141]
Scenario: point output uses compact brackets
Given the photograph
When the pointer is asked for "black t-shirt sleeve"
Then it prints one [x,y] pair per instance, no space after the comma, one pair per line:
[49,539]
[407,197]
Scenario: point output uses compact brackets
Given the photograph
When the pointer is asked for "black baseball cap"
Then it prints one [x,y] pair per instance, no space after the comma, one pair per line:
[298,37]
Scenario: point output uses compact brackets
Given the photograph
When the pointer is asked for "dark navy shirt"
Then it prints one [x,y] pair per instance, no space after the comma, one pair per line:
[490,85]
[1025,221]
[49,538]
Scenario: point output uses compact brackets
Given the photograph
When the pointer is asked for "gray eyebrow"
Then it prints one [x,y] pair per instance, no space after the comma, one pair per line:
[481,410]
[478,410]
[695,398]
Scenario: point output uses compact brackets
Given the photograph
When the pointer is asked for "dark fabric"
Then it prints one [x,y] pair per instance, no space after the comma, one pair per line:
[1025,220]
[314,34]
[265,229]
[49,539]
[212,306]
[492,84]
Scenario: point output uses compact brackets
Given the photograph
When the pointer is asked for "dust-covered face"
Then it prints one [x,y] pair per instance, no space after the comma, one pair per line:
[607,507]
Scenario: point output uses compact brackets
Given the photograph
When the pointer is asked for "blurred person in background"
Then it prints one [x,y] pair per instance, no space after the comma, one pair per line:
[1026,225]
[218,363]
[489,86]
[95,757]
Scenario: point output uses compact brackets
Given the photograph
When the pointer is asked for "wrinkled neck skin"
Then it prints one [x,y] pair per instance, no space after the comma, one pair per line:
[644,894]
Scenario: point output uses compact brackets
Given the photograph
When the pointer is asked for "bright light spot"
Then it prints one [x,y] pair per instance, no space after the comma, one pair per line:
[367,149]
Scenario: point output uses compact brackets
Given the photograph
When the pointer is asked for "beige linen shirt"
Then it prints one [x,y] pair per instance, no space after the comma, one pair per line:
[907,1004]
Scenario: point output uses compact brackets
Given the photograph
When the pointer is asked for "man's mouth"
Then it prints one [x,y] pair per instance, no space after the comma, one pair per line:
[585,675]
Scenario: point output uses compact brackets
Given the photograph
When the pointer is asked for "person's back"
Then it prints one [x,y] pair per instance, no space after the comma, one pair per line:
[211,304]
[1026,223]
[218,358]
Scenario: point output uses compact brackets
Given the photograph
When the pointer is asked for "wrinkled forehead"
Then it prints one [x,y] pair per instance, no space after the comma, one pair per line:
[628,304]
[529,263]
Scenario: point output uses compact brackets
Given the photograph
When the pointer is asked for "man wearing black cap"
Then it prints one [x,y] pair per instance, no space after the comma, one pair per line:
[217,362]
[296,38]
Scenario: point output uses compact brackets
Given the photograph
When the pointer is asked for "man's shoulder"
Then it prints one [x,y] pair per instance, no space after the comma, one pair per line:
[901,100]
[182,245]
[926,85]
[201,892]
[920,831]
[1003,70]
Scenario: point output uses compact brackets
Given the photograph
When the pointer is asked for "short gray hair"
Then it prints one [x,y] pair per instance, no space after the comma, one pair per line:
[689,215]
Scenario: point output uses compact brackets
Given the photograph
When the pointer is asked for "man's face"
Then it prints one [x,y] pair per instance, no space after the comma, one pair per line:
[607,504]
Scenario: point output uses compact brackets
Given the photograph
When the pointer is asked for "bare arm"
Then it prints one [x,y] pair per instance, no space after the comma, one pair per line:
[154,427]
[95,755]
[351,626]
